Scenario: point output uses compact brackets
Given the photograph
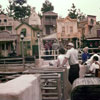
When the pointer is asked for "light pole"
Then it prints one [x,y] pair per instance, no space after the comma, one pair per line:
[22,38]
[38,36]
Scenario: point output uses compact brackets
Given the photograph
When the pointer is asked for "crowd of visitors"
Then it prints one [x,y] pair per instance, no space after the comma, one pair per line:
[50,46]
[70,58]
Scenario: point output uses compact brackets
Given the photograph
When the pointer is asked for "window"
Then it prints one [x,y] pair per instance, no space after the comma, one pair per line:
[2,28]
[28,45]
[71,29]
[24,32]
[92,21]
[63,29]
[47,19]
[9,28]
[0,20]
[98,33]
[3,46]
[5,20]
[7,46]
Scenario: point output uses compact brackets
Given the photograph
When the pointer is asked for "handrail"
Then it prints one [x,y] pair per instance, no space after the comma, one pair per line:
[50,53]
[8,61]
[12,59]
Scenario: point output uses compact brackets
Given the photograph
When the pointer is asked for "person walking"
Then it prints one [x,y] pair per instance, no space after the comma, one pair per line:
[72,58]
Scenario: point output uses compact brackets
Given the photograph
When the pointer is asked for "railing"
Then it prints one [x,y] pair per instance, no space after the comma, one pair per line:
[48,22]
[49,53]
[54,82]
[17,60]
[8,60]
[50,74]
[54,54]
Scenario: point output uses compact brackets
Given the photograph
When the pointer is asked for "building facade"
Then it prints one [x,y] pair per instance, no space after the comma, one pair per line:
[30,28]
[8,37]
[88,30]
[87,24]
[67,29]
[13,28]
[34,18]
[29,38]
[49,22]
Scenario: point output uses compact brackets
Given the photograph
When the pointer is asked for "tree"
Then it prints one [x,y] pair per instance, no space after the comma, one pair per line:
[75,13]
[39,14]
[19,9]
[1,10]
[83,39]
[80,16]
[47,6]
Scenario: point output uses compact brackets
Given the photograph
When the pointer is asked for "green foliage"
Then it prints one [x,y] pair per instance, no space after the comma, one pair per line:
[47,6]
[19,10]
[39,14]
[98,22]
[75,13]
[21,2]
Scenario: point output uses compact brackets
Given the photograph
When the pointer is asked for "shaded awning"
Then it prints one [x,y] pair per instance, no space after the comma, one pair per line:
[50,37]
[6,36]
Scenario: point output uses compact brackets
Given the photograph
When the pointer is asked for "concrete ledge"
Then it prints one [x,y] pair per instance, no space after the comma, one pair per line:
[38,62]
[25,87]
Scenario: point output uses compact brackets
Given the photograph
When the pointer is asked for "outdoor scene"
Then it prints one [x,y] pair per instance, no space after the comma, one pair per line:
[49,50]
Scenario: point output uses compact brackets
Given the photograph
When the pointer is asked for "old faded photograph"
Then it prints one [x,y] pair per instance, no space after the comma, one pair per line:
[49,49]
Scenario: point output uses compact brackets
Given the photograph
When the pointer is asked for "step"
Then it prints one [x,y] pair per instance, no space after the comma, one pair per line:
[50,98]
[50,94]
[49,88]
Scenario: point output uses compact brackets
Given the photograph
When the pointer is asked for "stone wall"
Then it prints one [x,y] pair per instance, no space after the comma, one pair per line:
[25,87]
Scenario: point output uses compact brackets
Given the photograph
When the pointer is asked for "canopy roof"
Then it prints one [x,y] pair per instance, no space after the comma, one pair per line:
[6,36]
[50,37]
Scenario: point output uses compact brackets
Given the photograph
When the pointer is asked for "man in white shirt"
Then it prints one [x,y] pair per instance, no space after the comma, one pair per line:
[72,57]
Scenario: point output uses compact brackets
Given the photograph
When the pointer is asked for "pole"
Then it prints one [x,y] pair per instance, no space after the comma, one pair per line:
[23,54]
[39,48]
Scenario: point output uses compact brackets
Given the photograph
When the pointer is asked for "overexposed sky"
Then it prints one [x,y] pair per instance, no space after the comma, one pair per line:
[88,7]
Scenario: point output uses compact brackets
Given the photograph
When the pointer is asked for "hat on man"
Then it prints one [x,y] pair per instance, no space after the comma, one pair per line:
[70,44]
